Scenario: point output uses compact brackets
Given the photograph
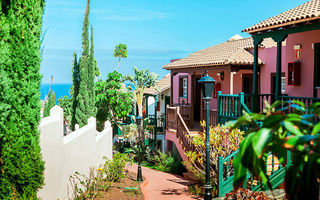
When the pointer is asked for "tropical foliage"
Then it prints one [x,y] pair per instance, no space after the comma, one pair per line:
[291,127]
[113,100]
[141,80]
[21,166]
[223,142]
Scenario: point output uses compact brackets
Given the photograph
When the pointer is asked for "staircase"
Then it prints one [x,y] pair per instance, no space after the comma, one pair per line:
[178,132]
[229,107]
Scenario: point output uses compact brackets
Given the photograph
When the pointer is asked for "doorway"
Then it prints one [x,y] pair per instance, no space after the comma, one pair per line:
[196,99]
[247,83]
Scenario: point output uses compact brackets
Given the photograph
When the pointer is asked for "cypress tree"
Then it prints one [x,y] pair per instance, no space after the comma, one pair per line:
[74,89]
[91,75]
[21,167]
[82,112]
[93,59]
[49,104]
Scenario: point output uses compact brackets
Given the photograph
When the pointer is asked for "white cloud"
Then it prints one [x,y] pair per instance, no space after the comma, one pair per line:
[135,15]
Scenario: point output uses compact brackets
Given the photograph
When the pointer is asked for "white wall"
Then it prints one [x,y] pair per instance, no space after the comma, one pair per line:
[162,101]
[64,155]
[151,101]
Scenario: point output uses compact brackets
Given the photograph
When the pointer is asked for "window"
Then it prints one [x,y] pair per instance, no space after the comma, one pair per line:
[283,84]
[183,87]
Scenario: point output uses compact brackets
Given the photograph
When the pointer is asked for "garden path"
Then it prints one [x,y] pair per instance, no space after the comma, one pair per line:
[159,185]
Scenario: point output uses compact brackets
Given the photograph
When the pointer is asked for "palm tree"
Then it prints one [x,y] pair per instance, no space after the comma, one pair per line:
[141,80]
[120,51]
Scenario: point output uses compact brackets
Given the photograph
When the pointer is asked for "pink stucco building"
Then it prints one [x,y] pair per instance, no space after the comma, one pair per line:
[280,60]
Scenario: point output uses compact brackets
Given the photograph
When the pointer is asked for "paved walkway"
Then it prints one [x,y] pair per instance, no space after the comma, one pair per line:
[158,185]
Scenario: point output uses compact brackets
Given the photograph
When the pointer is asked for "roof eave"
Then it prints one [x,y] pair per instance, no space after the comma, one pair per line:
[253,31]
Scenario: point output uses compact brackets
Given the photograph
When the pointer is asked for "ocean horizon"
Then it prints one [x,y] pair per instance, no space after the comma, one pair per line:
[60,89]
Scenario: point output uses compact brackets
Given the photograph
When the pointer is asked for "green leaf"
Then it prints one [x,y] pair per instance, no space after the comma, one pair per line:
[291,127]
[244,153]
[294,141]
[299,103]
[260,140]
[316,129]
[297,107]
[272,120]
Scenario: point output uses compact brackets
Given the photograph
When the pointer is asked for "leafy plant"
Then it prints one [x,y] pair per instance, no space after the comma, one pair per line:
[241,194]
[112,100]
[167,163]
[88,187]
[278,131]
[114,169]
[223,142]
[99,180]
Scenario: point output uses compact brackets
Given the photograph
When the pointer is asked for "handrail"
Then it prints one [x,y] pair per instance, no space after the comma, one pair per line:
[245,107]
[295,97]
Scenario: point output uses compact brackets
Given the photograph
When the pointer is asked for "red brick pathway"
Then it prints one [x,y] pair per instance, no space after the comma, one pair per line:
[159,185]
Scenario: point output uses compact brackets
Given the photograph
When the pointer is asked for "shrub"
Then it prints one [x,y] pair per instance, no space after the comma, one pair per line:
[89,187]
[223,141]
[114,169]
[167,163]
[21,167]
[241,193]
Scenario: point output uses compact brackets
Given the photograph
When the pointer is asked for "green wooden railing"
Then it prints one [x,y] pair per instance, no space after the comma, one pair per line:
[306,100]
[228,107]
[275,171]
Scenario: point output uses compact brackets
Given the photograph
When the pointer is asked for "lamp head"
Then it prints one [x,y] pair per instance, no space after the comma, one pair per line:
[138,120]
[206,85]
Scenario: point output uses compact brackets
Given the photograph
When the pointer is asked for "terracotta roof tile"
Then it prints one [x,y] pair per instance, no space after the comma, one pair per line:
[161,85]
[307,11]
[229,52]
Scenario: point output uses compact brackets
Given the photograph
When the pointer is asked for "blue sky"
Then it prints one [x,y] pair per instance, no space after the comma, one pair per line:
[155,31]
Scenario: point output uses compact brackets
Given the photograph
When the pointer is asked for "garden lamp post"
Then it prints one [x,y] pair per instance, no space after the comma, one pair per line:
[139,176]
[207,85]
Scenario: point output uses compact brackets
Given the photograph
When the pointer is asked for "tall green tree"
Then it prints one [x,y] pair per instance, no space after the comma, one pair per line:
[85,106]
[21,166]
[92,58]
[120,51]
[49,103]
[74,91]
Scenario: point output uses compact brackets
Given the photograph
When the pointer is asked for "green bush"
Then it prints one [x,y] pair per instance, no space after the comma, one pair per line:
[114,169]
[223,142]
[165,163]
[89,187]
[21,166]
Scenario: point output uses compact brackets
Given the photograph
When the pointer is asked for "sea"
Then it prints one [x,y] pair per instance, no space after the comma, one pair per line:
[59,89]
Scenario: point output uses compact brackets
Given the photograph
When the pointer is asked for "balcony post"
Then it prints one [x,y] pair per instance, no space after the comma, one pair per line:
[278,39]
[255,89]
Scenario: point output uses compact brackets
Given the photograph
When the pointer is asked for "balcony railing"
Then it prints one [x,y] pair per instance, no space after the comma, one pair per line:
[212,116]
[171,118]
